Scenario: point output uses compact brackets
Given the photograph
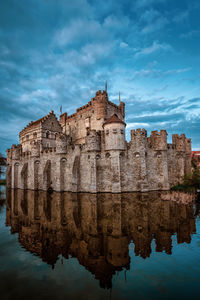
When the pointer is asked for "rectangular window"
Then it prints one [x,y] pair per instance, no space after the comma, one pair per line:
[122,131]
[107,131]
[114,130]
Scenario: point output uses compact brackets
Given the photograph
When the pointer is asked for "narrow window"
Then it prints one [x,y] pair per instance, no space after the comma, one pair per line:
[107,131]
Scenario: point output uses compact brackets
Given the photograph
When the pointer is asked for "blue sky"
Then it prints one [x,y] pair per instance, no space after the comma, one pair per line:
[59,52]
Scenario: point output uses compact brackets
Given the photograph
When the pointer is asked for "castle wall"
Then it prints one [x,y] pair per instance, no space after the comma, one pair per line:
[87,152]
[141,166]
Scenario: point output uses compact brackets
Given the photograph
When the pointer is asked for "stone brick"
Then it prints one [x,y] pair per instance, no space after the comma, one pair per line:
[88,152]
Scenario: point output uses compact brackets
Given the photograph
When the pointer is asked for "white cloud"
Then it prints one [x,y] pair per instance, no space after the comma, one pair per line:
[156,46]
[79,30]
[123,45]
[136,125]
[149,15]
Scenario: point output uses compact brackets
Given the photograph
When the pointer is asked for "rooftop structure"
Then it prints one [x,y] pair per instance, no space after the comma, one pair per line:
[87,152]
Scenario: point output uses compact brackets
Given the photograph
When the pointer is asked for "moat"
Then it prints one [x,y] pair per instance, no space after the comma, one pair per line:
[97,246]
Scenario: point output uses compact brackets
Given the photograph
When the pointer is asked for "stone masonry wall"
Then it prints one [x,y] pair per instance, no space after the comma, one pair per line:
[141,166]
[83,153]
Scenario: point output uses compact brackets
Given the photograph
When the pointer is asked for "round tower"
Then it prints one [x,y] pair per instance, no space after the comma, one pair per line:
[114,130]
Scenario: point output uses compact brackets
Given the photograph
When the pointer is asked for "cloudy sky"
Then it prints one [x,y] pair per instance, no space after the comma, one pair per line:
[59,52]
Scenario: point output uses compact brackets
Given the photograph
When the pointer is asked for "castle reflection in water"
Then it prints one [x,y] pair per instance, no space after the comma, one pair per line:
[97,228]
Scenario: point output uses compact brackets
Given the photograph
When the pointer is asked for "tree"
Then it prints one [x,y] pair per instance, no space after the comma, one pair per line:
[193,179]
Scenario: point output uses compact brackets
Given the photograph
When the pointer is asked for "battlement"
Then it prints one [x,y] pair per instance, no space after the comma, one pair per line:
[188,146]
[98,93]
[87,152]
[158,140]
[98,104]
[179,141]
[16,151]
[138,132]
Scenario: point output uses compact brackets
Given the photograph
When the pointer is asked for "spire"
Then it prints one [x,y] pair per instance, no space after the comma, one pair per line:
[106,86]
[119,98]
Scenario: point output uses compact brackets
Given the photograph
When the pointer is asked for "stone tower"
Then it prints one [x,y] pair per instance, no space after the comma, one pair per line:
[114,130]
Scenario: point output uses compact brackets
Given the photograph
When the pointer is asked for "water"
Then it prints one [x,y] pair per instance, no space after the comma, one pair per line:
[83,246]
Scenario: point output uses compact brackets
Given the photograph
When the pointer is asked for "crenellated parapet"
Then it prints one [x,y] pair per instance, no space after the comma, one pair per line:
[179,142]
[138,134]
[100,101]
[16,151]
[188,147]
[158,140]
[88,152]
[138,139]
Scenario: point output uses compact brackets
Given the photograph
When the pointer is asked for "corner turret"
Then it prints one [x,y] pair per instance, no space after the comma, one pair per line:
[114,130]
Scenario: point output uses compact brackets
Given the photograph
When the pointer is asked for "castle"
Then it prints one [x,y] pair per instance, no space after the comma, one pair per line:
[88,152]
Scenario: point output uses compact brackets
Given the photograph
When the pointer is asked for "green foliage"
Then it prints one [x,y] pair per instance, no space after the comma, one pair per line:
[190,181]
[182,187]
[193,179]
[2,181]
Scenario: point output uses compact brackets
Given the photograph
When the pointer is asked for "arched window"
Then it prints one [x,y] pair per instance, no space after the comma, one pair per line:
[137,154]
[107,155]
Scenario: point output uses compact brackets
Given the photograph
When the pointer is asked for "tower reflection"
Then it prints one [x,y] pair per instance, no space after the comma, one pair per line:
[97,228]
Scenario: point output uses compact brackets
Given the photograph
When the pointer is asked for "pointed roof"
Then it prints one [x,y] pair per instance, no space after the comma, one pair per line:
[114,119]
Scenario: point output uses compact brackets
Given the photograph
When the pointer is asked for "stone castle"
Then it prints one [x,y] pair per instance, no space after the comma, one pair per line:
[88,152]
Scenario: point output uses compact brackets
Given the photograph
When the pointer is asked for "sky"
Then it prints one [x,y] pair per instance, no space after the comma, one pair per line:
[60,52]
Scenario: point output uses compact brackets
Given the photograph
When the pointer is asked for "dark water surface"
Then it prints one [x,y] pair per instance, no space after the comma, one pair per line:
[83,246]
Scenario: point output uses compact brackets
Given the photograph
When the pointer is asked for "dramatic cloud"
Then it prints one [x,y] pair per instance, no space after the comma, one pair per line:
[55,53]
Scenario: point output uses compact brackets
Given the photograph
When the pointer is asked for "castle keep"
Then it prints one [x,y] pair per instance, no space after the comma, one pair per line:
[87,152]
